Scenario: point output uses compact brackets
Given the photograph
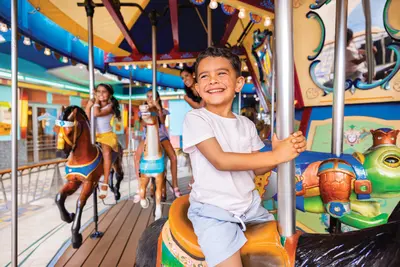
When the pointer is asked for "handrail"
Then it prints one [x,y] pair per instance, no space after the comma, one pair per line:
[22,168]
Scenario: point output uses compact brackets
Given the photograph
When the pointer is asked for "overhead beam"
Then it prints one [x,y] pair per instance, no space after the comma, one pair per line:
[140,59]
[173,10]
[229,28]
[267,5]
[119,20]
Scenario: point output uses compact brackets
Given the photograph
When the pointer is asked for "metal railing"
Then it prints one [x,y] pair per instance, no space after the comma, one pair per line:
[38,181]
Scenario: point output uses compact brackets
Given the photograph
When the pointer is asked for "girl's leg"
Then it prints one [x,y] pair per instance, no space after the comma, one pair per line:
[138,154]
[106,163]
[174,165]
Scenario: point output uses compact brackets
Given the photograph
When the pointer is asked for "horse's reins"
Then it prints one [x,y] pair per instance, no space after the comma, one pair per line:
[64,137]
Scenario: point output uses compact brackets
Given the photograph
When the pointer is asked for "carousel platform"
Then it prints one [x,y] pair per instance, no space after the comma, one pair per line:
[122,226]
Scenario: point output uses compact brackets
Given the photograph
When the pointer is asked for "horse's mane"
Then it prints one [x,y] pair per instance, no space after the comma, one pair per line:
[68,110]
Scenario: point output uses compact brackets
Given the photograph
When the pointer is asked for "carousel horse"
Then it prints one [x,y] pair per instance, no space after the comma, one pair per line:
[152,163]
[84,166]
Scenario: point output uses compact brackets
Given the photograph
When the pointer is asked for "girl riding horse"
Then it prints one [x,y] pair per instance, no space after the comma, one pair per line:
[84,166]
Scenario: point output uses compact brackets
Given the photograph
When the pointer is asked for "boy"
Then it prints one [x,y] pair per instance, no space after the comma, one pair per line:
[224,152]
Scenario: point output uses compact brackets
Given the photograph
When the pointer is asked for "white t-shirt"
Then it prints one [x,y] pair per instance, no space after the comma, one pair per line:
[230,190]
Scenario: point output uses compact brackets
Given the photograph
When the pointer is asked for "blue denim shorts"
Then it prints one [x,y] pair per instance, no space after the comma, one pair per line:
[220,232]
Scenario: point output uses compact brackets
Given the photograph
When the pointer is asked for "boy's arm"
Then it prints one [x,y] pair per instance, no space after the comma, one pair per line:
[262,171]
[227,161]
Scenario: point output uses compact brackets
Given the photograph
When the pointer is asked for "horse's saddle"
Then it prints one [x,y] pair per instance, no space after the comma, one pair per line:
[264,241]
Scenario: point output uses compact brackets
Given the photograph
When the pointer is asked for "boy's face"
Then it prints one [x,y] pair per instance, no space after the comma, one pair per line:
[217,81]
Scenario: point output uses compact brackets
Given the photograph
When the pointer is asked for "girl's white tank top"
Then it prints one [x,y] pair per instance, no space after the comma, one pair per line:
[103,124]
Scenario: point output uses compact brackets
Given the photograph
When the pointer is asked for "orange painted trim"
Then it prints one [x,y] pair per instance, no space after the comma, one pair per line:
[291,245]
[159,250]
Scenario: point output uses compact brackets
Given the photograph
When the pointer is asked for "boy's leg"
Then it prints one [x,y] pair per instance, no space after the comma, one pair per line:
[220,240]
[256,212]
[233,261]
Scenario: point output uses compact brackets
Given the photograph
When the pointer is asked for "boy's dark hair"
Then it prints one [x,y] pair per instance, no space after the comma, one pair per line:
[349,35]
[220,52]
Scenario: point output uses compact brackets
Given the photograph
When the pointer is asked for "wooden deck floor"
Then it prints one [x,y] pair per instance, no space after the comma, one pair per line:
[122,226]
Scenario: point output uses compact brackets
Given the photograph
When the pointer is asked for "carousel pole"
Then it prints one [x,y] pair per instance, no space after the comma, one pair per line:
[153,20]
[209,26]
[339,89]
[240,102]
[285,110]
[89,6]
[273,88]
[14,133]
[130,133]
[368,41]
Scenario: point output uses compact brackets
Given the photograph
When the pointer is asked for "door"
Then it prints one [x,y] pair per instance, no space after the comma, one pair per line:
[42,142]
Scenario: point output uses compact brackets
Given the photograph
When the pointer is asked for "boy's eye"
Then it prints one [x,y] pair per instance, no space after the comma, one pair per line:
[221,73]
[203,76]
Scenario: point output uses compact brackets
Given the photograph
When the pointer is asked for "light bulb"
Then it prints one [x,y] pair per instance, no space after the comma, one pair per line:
[213,4]
[127,67]
[164,65]
[3,27]
[64,59]
[27,41]
[149,85]
[149,66]
[255,96]
[242,13]
[244,96]
[134,66]
[245,68]
[267,21]
[47,52]
[180,65]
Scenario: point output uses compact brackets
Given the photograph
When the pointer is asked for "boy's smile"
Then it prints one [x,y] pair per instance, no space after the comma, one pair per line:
[217,81]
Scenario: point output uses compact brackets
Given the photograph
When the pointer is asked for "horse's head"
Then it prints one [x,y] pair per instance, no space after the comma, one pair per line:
[148,115]
[69,128]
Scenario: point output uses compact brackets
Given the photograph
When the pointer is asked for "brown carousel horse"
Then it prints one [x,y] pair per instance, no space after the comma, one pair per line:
[83,168]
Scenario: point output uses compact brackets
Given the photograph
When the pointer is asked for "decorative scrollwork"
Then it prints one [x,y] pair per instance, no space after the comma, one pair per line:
[384,83]
[317,51]
[319,3]
[393,33]
[327,90]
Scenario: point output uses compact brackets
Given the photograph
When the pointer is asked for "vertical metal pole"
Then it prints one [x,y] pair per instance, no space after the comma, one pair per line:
[153,20]
[339,89]
[273,87]
[14,133]
[285,110]
[368,40]
[340,77]
[130,133]
[209,26]
[89,13]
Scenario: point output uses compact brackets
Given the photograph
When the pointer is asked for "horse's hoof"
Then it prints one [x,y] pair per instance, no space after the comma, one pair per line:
[117,195]
[144,203]
[70,218]
[76,241]
[158,213]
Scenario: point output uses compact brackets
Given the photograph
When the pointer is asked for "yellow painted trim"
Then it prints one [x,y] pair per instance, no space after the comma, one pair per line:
[361,99]
[303,227]
[51,11]
[241,4]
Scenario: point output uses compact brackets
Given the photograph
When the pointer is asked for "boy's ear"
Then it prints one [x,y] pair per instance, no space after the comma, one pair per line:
[240,81]
[196,86]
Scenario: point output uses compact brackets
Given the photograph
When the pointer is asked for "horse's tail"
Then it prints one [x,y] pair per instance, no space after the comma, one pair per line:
[375,246]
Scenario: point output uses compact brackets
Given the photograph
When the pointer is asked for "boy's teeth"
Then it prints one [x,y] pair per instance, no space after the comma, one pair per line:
[214,91]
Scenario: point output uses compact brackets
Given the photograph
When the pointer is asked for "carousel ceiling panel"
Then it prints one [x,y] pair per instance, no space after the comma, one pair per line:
[79,74]
[73,19]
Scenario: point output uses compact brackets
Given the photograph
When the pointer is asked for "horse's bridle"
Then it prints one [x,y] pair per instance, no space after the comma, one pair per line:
[63,138]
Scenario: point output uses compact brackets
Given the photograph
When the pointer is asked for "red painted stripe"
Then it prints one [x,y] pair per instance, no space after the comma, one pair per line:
[305,120]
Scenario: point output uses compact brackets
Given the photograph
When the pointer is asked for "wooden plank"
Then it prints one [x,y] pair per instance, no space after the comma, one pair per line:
[104,244]
[69,252]
[87,247]
[117,248]
[129,256]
